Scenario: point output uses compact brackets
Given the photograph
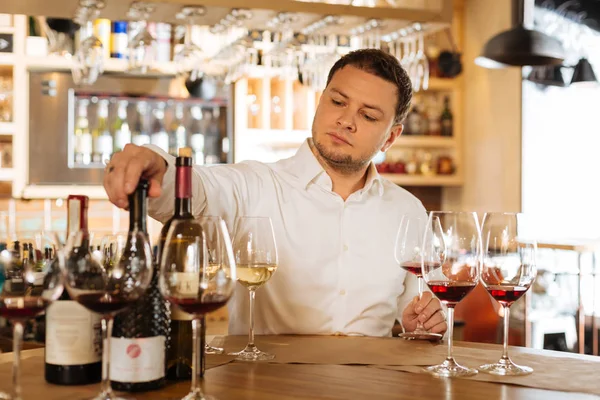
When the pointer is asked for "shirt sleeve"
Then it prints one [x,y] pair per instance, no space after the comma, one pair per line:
[219,190]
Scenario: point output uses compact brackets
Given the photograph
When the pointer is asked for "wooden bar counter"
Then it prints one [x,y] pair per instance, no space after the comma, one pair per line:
[327,367]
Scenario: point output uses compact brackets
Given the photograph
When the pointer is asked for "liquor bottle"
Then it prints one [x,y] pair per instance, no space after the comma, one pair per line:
[197,136]
[103,140]
[140,135]
[73,351]
[446,119]
[159,137]
[143,329]
[179,359]
[178,132]
[121,130]
[83,137]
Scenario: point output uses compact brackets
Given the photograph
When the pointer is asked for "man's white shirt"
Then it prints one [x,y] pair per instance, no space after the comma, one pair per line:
[337,272]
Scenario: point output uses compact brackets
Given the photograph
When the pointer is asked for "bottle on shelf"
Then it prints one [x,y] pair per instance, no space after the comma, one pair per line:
[213,142]
[119,43]
[121,130]
[160,137]
[179,359]
[73,351]
[103,140]
[143,328]
[413,122]
[83,137]
[435,127]
[178,132]
[197,135]
[102,32]
[446,119]
[140,135]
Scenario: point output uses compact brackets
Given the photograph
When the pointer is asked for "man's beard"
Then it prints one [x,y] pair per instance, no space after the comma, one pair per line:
[340,162]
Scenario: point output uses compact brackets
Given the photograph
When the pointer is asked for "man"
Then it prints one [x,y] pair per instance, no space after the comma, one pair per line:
[335,219]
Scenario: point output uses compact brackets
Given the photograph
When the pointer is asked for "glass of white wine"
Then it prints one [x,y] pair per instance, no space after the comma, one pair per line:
[255,254]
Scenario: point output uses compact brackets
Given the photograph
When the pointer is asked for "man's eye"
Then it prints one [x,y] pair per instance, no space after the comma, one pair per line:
[337,103]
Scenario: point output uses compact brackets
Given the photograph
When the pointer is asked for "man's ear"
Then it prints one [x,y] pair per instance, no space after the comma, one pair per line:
[394,133]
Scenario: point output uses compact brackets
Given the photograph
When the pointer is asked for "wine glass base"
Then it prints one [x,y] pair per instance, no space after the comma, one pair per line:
[434,337]
[198,396]
[505,367]
[108,395]
[213,350]
[251,353]
[450,369]
[5,396]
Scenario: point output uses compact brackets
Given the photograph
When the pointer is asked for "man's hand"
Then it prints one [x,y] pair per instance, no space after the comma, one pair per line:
[125,170]
[428,311]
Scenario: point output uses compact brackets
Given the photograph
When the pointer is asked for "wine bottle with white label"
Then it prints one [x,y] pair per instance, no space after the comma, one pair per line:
[73,351]
[140,333]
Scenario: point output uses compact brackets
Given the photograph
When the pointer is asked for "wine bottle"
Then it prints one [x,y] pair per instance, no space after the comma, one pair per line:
[446,119]
[140,333]
[73,351]
[179,359]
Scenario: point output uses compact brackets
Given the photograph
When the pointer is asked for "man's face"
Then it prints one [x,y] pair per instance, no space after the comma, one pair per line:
[355,119]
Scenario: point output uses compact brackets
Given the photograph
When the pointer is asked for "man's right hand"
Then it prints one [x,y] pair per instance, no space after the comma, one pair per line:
[125,169]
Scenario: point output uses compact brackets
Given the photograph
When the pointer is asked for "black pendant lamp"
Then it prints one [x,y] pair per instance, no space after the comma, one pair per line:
[547,75]
[521,45]
[583,74]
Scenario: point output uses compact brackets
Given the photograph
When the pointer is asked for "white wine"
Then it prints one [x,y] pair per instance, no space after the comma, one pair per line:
[254,275]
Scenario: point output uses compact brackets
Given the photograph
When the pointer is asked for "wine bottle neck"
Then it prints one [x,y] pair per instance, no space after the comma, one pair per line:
[183,207]
[183,187]
[138,209]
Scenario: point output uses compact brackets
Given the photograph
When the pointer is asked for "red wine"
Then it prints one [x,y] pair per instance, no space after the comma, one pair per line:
[103,303]
[506,295]
[179,357]
[451,293]
[197,306]
[73,349]
[413,267]
[140,333]
[22,307]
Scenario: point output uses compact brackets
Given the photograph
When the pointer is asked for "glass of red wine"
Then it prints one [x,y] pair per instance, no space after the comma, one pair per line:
[460,236]
[28,284]
[190,281]
[409,254]
[107,283]
[508,271]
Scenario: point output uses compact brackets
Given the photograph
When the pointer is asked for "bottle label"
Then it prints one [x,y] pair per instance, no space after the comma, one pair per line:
[104,145]
[137,360]
[122,138]
[73,334]
[161,139]
[84,145]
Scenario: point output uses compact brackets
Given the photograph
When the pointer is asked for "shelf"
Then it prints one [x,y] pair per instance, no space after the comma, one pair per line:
[62,191]
[7,29]
[53,63]
[424,141]
[6,174]
[7,128]
[419,180]
[444,84]
[7,59]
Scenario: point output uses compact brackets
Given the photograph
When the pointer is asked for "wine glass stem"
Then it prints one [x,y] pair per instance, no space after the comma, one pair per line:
[505,342]
[420,327]
[16,374]
[187,39]
[107,327]
[450,331]
[197,356]
[251,329]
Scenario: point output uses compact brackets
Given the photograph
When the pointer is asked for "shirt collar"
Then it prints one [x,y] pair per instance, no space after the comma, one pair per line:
[308,169]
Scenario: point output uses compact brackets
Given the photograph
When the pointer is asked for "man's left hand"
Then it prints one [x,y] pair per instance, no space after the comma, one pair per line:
[428,311]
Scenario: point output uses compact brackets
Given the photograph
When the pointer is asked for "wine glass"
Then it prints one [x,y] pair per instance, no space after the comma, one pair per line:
[217,256]
[26,289]
[190,55]
[455,239]
[88,62]
[141,45]
[507,272]
[108,286]
[189,281]
[256,259]
[409,254]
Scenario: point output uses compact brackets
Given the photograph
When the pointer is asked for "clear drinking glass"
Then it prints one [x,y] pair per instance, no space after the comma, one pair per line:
[508,271]
[256,259]
[454,238]
[108,286]
[27,287]
[409,254]
[192,283]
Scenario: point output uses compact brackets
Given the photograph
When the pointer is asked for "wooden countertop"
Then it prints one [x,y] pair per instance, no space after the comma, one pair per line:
[265,381]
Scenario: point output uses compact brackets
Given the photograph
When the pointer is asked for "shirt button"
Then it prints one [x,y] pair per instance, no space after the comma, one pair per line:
[345,247]
[342,292]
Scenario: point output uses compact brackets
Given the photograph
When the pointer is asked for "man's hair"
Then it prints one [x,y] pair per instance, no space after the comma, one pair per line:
[385,66]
